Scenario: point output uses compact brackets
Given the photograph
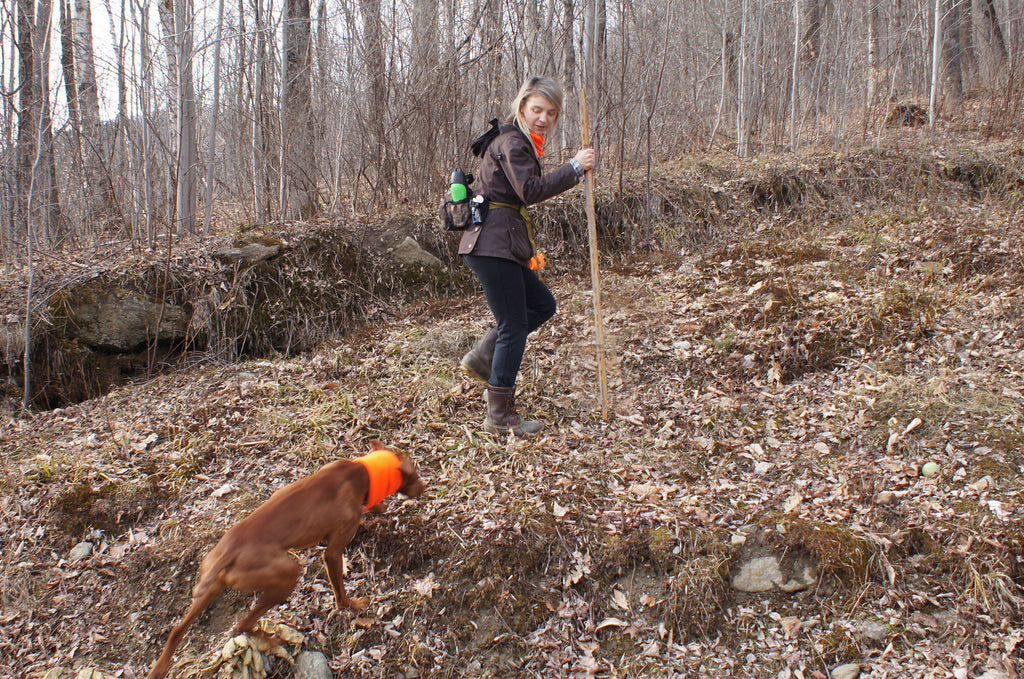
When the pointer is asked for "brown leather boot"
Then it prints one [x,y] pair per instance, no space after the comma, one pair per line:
[501,413]
[477,362]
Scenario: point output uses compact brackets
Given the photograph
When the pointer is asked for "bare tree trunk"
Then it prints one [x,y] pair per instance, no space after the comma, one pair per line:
[100,202]
[427,83]
[951,51]
[595,19]
[67,62]
[27,122]
[120,123]
[376,106]
[165,10]
[146,106]
[52,224]
[42,172]
[743,87]
[874,63]
[298,162]
[726,61]
[493,33]
[810,55]
[187,155]
[568,64]
[211,155]
[969,60]
[260,125]
[936,42]
[995,33]
[794,98]
[594,48]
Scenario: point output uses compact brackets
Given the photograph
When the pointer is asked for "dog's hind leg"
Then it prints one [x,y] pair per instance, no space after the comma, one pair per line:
[267,600]
[199,604]
[275,581]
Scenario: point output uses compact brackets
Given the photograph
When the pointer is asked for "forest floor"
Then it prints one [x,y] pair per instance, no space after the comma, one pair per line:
[779,389]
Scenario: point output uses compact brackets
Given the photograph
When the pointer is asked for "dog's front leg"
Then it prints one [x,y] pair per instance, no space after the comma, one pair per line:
[335,560]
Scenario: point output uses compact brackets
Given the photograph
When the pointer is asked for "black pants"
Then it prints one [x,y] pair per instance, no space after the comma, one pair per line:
[520,302]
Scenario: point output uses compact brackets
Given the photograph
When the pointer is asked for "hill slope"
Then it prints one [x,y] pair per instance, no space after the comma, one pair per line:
[774,394]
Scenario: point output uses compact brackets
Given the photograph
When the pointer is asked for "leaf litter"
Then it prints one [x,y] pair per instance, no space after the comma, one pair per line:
[786,387]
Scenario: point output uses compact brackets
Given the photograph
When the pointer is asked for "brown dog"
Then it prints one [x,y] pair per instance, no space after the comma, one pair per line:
[253,555]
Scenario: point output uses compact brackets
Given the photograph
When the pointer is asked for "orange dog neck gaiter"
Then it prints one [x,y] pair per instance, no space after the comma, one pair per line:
[385,476]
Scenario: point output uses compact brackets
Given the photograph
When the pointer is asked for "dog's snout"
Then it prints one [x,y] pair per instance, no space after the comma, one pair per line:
[415,488]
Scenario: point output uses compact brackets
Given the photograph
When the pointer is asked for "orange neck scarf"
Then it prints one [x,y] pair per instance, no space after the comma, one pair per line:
[538,143]
[385,476]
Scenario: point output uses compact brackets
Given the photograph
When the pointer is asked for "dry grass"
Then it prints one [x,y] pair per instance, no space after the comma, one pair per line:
[756,386]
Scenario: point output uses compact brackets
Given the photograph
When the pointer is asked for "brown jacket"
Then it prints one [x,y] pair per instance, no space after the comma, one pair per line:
[510,173]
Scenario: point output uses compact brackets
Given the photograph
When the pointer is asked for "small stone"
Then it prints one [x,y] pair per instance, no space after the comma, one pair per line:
[90,673]
[885,497]
[872,629]
[929,469]
[312,665]
[758,575]
[982,484]
[762,468]
[80,552]
[763,574]
[994,673]
[847,671]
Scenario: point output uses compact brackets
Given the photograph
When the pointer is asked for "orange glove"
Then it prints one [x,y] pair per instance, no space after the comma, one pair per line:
[537,261]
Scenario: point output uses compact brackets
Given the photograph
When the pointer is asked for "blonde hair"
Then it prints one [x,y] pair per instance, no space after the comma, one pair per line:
[545,87]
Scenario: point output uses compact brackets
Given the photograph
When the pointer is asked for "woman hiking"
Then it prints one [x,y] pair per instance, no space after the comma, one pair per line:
[501,251]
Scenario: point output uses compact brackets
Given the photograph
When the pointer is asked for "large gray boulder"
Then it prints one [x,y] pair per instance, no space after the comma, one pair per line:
[112,318]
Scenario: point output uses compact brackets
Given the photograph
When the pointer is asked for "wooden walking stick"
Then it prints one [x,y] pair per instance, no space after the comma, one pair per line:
[595,273]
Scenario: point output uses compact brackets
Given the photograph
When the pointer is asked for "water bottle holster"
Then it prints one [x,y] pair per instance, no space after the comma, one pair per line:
[456,215]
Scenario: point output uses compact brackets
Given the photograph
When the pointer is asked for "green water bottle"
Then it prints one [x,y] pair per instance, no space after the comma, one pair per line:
[459,190]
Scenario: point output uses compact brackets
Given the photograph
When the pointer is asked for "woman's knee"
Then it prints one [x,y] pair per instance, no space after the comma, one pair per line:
[512,330]
[548,310]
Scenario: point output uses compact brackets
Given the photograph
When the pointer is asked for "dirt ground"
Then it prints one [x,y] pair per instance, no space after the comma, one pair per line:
[775,389]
